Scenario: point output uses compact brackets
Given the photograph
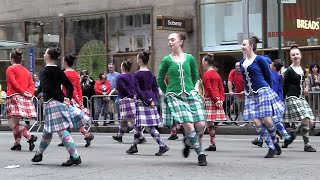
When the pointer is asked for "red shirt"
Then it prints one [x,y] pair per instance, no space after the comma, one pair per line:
[237,79]
[19,80]
[74,78]
[213,87]
[98,88]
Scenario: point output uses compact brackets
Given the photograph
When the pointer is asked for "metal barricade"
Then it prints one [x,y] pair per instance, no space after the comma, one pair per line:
[38,104]
[99,108]
[314,100]
[233,107]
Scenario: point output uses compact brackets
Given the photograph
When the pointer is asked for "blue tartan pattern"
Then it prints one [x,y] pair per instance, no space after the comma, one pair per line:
[183,108]
[297,109]
[59,116]
[263,103]
[127,108]
[147,116]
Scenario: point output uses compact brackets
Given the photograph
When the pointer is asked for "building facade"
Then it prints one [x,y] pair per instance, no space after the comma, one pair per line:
[97,31]
[103,31]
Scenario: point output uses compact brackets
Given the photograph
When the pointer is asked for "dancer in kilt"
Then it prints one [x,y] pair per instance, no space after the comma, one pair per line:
[77,100]
[59,114]
[261,102]
[127,100]
[277,79]
[19,99]
[147,97]
[182,104]
[214,97]
[297,108]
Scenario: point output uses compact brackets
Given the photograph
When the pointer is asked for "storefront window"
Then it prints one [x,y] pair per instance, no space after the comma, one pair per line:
[129,31]
[43,34]
[85,37]
[225,24]
[12,32]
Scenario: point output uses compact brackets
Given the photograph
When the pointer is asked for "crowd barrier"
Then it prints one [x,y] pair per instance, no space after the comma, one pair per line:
[100,107]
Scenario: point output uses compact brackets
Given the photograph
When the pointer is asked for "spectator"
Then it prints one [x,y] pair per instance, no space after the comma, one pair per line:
[3,95]
[236,85]
[101,87]
[87,85]
[112,78]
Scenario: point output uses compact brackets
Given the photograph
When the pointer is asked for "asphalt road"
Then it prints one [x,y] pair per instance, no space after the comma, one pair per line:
[235,158]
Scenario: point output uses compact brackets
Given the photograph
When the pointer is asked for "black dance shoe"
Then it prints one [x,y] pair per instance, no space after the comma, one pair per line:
[142,140]
[117,138]
[72,161]
[16,147]
[133,149]
[31,142]
[202,160]
[309,149]
[173,137]
[270,154]
[211,148]
[88,140]
[257,142]
[278,149]
[186,149]
[162,150]
[37,158]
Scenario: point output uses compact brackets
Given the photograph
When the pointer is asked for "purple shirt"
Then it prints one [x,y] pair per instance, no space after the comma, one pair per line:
[125,86]
[146,87]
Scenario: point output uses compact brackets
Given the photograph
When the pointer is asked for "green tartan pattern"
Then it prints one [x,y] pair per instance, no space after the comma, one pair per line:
[183,108]
[296,110]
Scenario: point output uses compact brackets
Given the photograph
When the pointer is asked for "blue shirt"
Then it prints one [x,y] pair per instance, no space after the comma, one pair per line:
[112,78]
[257,75]
[277,84]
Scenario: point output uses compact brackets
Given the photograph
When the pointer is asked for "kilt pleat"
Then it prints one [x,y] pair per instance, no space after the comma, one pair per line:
[17,105]
[213,112]
[262,104]
[184,108]
[297,109]
[127,108]
[59,116]
[147,116]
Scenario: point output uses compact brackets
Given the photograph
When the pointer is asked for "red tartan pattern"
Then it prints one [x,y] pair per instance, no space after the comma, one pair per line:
[17,105]
[213,112]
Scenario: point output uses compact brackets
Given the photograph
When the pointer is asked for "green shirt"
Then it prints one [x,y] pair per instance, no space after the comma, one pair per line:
[182,75]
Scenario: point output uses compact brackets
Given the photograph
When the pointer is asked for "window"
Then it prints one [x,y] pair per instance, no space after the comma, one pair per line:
[223,23]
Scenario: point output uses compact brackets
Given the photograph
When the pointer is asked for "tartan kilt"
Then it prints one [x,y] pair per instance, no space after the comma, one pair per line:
[147,116]
[212,111]
[127,108]
[297,109]
[17,105]
[57,116]
[76,105]
[262,104]
[78,117]
[184,108]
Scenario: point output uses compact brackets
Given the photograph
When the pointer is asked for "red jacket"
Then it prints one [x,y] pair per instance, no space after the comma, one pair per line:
[19,80]
[213,86]
[74,78]
[98,87]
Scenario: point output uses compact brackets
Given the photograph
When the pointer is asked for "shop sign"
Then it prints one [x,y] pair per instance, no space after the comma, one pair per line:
[307,24]
[174,23]
[288,1]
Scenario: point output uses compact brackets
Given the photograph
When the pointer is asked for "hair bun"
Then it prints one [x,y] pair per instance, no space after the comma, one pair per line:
[58,50]
[210,54]
[146,53]
[129,61]
[255,39]
[294,46]
[18,52]
[72,56]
